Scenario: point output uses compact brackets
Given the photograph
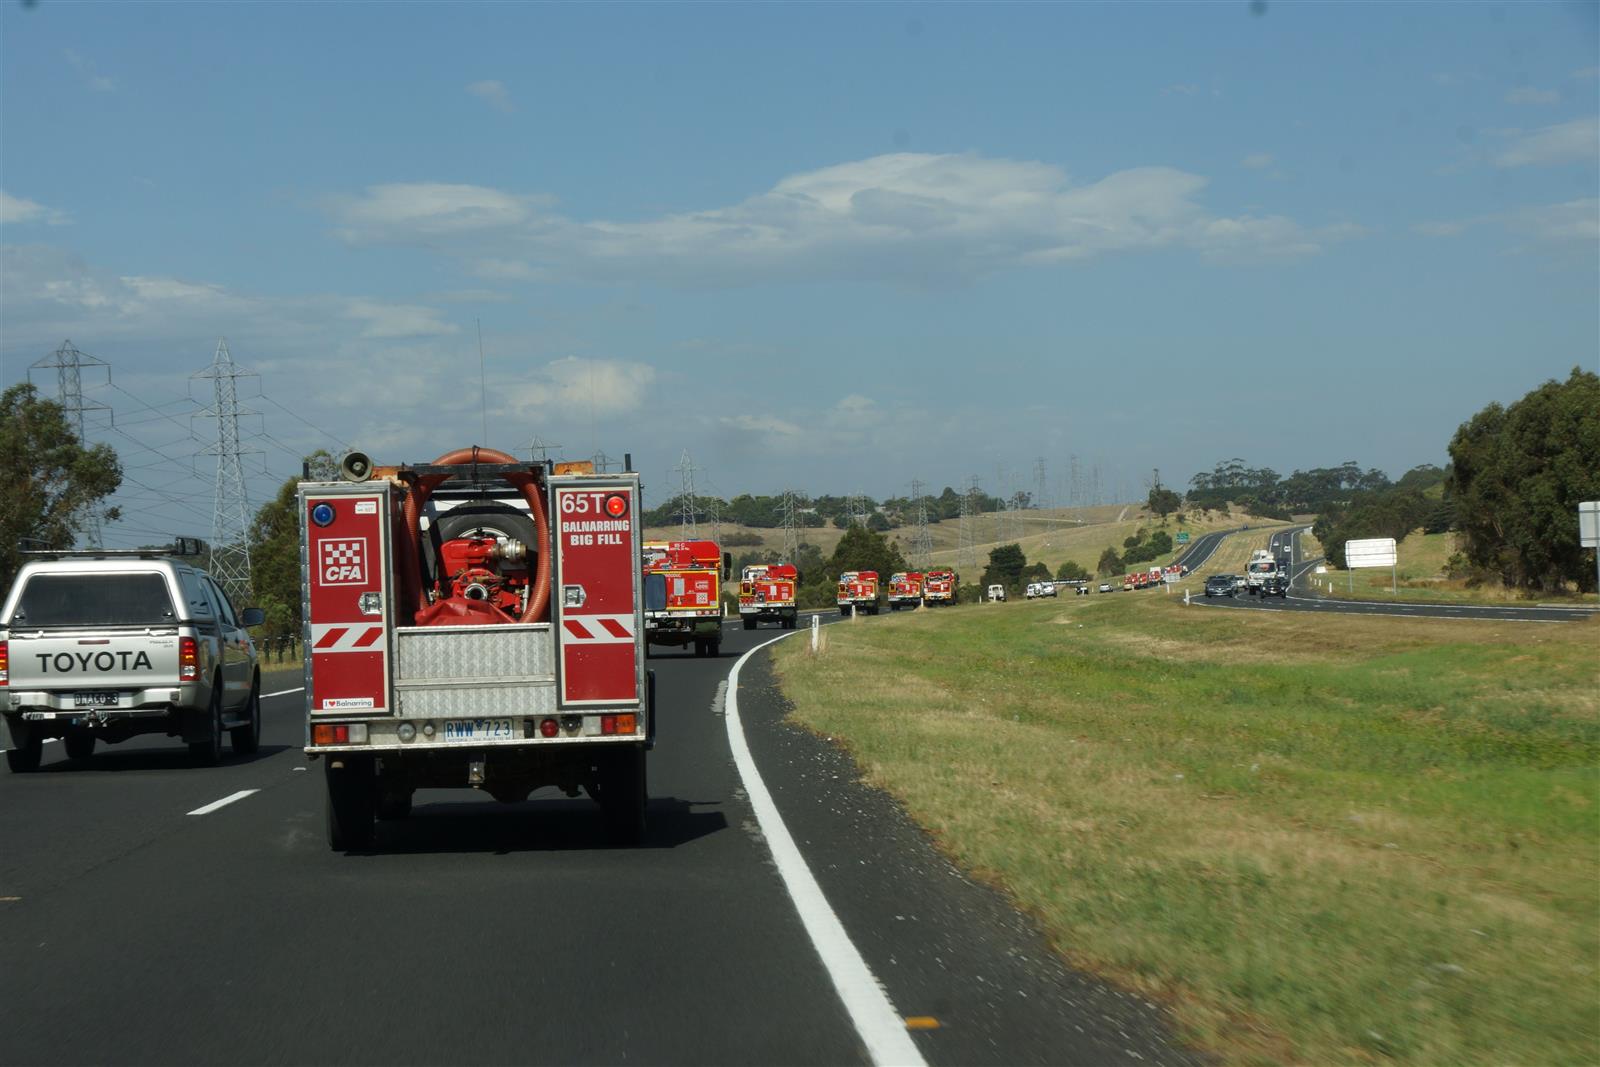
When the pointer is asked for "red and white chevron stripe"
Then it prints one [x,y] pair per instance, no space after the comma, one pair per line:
[599,629]
[347,637]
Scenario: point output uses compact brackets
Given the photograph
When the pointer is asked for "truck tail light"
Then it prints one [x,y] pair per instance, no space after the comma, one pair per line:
[188,659]
[5,662]
[549,728]
[625,723]
[339,733]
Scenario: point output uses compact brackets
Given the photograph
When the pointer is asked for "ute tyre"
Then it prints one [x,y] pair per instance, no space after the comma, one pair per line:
[624,795]
[79,744]
[208,753]
[26,757]
[351,803]
[246,739]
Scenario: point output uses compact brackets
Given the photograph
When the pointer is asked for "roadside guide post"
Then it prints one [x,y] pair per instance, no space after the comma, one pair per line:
[1589,533]
[816,628]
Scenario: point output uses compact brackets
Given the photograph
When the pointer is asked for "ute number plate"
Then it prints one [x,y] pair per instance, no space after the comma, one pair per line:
[97,699]
[478,730]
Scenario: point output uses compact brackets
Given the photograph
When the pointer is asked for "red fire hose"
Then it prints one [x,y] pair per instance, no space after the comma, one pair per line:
[411,592]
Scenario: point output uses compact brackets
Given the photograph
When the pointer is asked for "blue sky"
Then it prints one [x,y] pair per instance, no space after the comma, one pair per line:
[833,247]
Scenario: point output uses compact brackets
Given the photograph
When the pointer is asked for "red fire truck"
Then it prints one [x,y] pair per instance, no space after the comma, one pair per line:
[474,622]
[766,594]
[905,590]
[939,588]
[683,594]
[858,591]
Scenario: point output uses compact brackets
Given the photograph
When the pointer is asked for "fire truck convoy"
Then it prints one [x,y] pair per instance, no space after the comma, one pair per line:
[766,594]
[474,622]
[683,594]
[939,588]
[858,592]
[905,590]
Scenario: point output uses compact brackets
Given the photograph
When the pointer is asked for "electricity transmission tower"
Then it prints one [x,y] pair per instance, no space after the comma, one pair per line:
[230,516]
[790,516]
[858,508]
[921,540]
[967,536]
[539,449]
[602,462]
[687,518]
[68,363]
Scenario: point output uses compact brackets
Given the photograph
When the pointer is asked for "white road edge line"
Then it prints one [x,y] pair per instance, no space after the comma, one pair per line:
[224,802]
[285,692]
[877,1023]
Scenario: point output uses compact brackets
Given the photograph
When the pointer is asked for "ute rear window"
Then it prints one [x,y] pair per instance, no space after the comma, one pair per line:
[94,600]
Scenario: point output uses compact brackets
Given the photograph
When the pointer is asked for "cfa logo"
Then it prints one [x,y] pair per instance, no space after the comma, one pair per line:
[342,562]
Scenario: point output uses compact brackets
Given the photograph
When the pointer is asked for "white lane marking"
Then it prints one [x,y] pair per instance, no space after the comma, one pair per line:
[224,802]
[880,1027]
[286,692]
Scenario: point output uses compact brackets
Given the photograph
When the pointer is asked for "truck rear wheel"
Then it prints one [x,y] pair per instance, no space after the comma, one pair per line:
[352,802]
[208,753]
[394,803]
[79,744]
[749,624]
[246,739]
[624,795]
[29,753]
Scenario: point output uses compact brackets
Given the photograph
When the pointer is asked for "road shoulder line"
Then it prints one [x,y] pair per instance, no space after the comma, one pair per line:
[876,1021]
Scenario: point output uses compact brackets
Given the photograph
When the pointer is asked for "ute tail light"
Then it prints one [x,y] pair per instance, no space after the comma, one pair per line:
[188,659]
[5,662]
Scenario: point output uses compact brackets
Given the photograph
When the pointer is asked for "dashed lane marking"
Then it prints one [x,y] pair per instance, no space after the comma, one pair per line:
[286,692]
[881,1028]
[224,802]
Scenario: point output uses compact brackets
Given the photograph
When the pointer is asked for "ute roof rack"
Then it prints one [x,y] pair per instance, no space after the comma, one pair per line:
[181,546]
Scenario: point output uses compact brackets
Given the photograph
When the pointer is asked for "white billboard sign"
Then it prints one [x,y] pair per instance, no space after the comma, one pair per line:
[1371,552]
[1589,523]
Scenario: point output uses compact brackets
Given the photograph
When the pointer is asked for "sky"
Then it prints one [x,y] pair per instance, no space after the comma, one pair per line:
[827,247]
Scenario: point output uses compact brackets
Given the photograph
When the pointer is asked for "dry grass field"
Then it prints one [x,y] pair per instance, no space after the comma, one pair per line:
[1320,839]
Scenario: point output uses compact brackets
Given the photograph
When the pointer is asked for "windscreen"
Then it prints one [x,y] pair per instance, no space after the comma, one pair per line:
[94,600]
[1263,567]
[655,592]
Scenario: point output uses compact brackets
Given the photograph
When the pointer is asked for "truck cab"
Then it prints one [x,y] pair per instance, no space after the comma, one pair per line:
[905,590]
[939,588]
[858,593]
[767,594]
[683,594]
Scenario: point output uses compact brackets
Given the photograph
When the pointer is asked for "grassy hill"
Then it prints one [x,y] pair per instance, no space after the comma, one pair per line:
[1051,535]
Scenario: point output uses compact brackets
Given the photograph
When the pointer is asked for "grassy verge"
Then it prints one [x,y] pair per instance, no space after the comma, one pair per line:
[1321,839]
[1421,576]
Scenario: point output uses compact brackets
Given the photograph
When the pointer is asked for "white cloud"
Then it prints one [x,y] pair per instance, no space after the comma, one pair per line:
[906,217]
[1257,161]
[426,210]
[16,209]
[1543,224]
[1529,95]
[493,93]
[1185,89]
[575,384]
[85,68]
[399,320]
[1586,73]
[762,425]
[1577,141]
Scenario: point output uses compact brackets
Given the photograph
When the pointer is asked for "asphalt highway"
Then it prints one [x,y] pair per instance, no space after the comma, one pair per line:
[152,911]
[1304,597]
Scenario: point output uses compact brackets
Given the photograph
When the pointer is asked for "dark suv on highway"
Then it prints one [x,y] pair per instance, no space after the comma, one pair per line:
[1275,585]
[1219,585]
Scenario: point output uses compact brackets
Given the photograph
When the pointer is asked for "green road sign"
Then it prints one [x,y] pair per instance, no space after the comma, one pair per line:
[1183,537]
